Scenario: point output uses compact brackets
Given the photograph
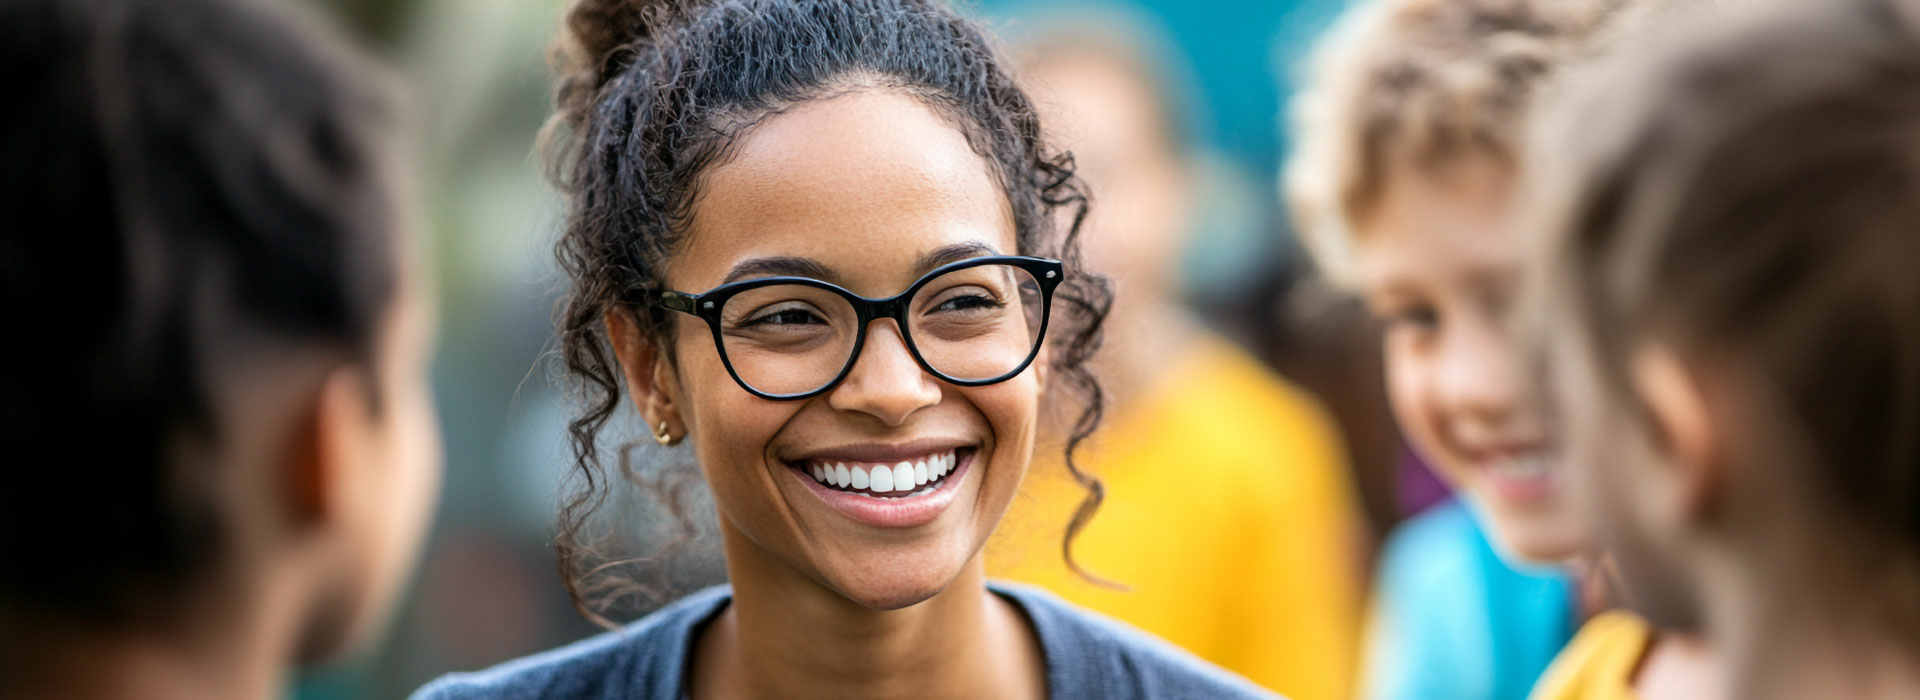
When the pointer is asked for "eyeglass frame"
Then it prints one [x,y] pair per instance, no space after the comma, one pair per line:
[707,306]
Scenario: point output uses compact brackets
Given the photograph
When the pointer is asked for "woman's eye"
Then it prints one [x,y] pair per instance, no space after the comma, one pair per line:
[967,302]
[785,317]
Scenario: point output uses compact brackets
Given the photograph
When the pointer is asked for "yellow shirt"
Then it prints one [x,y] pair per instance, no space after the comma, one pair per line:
[1599,663]
[1228,515]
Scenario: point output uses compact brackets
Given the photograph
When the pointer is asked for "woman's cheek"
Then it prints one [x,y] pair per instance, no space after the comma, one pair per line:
[729,431]
[1011,410]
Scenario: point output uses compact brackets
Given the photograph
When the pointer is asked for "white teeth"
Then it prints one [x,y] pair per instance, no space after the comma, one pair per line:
[905,478]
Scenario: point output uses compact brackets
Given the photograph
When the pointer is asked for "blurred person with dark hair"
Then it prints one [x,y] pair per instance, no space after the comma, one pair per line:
[1229,522]
[1728,221]
[222,451]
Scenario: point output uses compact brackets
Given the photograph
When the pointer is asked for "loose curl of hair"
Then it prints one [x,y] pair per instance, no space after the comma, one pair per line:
[652,94]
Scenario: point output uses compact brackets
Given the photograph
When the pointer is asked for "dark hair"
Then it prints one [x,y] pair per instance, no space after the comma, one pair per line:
[651,94]
[1754,190]
[188,189]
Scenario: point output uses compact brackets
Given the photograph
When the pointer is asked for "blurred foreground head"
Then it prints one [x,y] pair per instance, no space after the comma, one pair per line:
[215,401]
[1732,224]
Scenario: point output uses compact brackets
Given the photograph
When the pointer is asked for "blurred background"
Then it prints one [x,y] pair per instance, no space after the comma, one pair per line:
[488,591]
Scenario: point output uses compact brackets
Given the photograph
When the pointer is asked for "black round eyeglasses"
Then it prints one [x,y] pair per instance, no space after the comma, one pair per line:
[974,322]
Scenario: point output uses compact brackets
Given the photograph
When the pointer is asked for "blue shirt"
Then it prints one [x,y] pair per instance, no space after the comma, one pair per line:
[1086,657]
[1453,620]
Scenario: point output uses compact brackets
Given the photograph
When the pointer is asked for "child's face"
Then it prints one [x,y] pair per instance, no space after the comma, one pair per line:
[1439,266]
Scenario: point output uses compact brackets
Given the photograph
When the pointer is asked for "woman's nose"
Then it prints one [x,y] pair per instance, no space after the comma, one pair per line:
[885,381]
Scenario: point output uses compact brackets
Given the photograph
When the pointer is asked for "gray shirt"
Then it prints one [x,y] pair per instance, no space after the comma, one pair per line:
[1087,656]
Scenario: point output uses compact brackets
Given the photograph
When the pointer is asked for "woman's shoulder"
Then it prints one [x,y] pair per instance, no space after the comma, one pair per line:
[641,661]
[1093,656]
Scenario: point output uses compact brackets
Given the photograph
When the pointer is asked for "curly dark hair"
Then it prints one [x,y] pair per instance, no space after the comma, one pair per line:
[652,94]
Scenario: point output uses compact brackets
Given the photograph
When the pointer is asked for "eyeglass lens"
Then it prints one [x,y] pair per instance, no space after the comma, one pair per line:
[971,324]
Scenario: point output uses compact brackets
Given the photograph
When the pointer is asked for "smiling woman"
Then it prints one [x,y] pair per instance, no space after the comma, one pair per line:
[823,243]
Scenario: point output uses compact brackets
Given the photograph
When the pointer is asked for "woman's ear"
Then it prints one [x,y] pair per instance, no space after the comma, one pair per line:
[1684,429]
[649,376]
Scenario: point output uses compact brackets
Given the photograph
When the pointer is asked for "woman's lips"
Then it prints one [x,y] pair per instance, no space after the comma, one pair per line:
[873,492]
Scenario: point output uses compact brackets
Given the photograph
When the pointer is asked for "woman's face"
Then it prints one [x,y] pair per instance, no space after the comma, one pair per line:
[869,191]
[1439,266]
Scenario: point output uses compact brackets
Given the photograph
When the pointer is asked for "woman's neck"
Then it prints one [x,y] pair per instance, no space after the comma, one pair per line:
[785,635]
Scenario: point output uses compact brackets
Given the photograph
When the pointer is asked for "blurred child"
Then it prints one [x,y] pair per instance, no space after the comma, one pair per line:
[1409,146]
[221,451]
[1732,221]
[1228,518]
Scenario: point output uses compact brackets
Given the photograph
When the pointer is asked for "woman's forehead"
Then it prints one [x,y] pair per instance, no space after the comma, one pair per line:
[865,184]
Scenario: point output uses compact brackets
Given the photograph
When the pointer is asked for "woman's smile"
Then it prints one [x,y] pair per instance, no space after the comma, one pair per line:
[887,486]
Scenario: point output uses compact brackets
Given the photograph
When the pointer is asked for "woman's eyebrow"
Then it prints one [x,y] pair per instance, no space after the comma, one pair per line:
[808,267]
[780,267]
[952,253]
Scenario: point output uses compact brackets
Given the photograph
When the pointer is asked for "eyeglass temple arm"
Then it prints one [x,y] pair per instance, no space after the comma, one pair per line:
[675,301]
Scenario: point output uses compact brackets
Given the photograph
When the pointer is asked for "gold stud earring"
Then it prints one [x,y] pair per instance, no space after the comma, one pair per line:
[664,435]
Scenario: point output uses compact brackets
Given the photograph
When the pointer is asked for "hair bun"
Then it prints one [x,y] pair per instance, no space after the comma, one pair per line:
[598,43]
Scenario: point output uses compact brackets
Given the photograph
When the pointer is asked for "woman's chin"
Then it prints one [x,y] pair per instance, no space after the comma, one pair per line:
[891,598]
[892,583]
